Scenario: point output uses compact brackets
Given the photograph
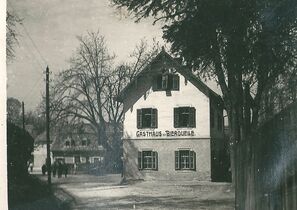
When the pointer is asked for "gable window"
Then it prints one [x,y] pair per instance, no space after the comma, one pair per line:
[185,160]
[166,82]
[67,143]
[147,118]
[72,143]
[84,143]
[148,160]
[184,117]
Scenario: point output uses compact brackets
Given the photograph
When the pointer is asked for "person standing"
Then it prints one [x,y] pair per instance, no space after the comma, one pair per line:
[43,169]
[74,168]
[60,169]
[65,169]
[31,167]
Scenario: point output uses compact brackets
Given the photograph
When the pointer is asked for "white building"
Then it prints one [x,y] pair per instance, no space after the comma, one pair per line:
[173,124]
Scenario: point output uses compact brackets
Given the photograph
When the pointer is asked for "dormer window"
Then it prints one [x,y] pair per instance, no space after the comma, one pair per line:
[67,143]
[166,82]
[72,143]
[84,143]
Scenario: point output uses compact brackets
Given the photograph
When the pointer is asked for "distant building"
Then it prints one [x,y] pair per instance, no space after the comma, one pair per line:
[173,124]
[39,153]
[77,145]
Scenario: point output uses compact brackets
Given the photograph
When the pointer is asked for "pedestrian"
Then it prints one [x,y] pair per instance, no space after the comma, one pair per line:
[43,169]
[54,168]
[74,168]
[65,169]
[31,167]
[60,169]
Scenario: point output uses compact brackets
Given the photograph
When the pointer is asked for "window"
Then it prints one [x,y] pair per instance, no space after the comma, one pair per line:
[185,160]
[84,142]
[147,118]
[220,123]
[72,143]
[148,160]
[67,143]
[166,82]
[77,159]
[184,117]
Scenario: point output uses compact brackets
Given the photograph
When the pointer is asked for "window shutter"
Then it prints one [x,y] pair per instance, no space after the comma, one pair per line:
[139,118]
[155,160]
[154,122]
[169,82]
[140,160]
[177,163]
[192,117]
[175,82]
[192,160]
[176,117]
[164,82]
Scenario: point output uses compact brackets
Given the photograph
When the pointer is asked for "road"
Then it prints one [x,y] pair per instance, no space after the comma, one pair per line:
[105,192]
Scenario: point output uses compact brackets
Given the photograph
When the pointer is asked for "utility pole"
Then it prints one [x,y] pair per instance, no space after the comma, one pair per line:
[48,157]
[23,115]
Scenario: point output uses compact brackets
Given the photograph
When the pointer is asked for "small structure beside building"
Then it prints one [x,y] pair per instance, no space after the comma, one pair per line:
[173,125]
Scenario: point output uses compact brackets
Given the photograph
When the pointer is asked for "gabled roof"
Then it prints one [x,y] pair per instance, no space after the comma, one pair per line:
[76,135]
[179,68]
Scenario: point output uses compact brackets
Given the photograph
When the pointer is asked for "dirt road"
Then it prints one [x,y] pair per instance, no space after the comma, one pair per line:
[105,192]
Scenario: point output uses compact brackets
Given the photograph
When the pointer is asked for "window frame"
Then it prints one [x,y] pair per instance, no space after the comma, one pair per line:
[166,82]
[191,160]
[153,157]
[67,143]
[177,117]
[141,117]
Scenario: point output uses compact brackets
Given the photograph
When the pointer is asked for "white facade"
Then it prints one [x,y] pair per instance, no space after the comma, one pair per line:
[166,151]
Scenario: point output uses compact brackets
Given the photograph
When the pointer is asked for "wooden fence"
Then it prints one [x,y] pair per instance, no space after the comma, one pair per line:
[266,166]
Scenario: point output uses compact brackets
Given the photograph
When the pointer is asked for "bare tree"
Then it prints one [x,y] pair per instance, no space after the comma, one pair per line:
[11,35]
[79,90]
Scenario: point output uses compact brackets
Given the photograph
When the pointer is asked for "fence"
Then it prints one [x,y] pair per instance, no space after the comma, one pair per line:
[266,166]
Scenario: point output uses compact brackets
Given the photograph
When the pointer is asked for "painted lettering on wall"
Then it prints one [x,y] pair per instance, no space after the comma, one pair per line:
[174,133]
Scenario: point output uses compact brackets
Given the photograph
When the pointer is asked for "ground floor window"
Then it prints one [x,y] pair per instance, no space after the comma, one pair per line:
[77,159]
[185,160]
[148,160]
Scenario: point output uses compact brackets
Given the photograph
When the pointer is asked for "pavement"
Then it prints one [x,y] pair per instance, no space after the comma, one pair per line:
[105,192]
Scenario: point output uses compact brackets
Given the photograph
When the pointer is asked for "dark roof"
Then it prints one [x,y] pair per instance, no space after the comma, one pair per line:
[75,136]
[181,69]
[75,141]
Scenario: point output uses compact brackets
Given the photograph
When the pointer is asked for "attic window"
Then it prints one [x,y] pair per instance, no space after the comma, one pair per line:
[84,142]
[67,143]
[166,82]
[72,143]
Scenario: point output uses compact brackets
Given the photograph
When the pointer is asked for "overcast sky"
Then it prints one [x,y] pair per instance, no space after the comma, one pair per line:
[48,37]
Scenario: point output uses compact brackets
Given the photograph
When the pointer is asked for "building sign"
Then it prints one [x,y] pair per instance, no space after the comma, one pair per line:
[172,133]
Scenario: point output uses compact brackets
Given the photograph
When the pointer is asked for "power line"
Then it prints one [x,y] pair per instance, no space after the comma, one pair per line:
[45,62]
[29,36]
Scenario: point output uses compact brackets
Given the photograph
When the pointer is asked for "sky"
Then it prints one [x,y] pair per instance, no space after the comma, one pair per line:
[48,34]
